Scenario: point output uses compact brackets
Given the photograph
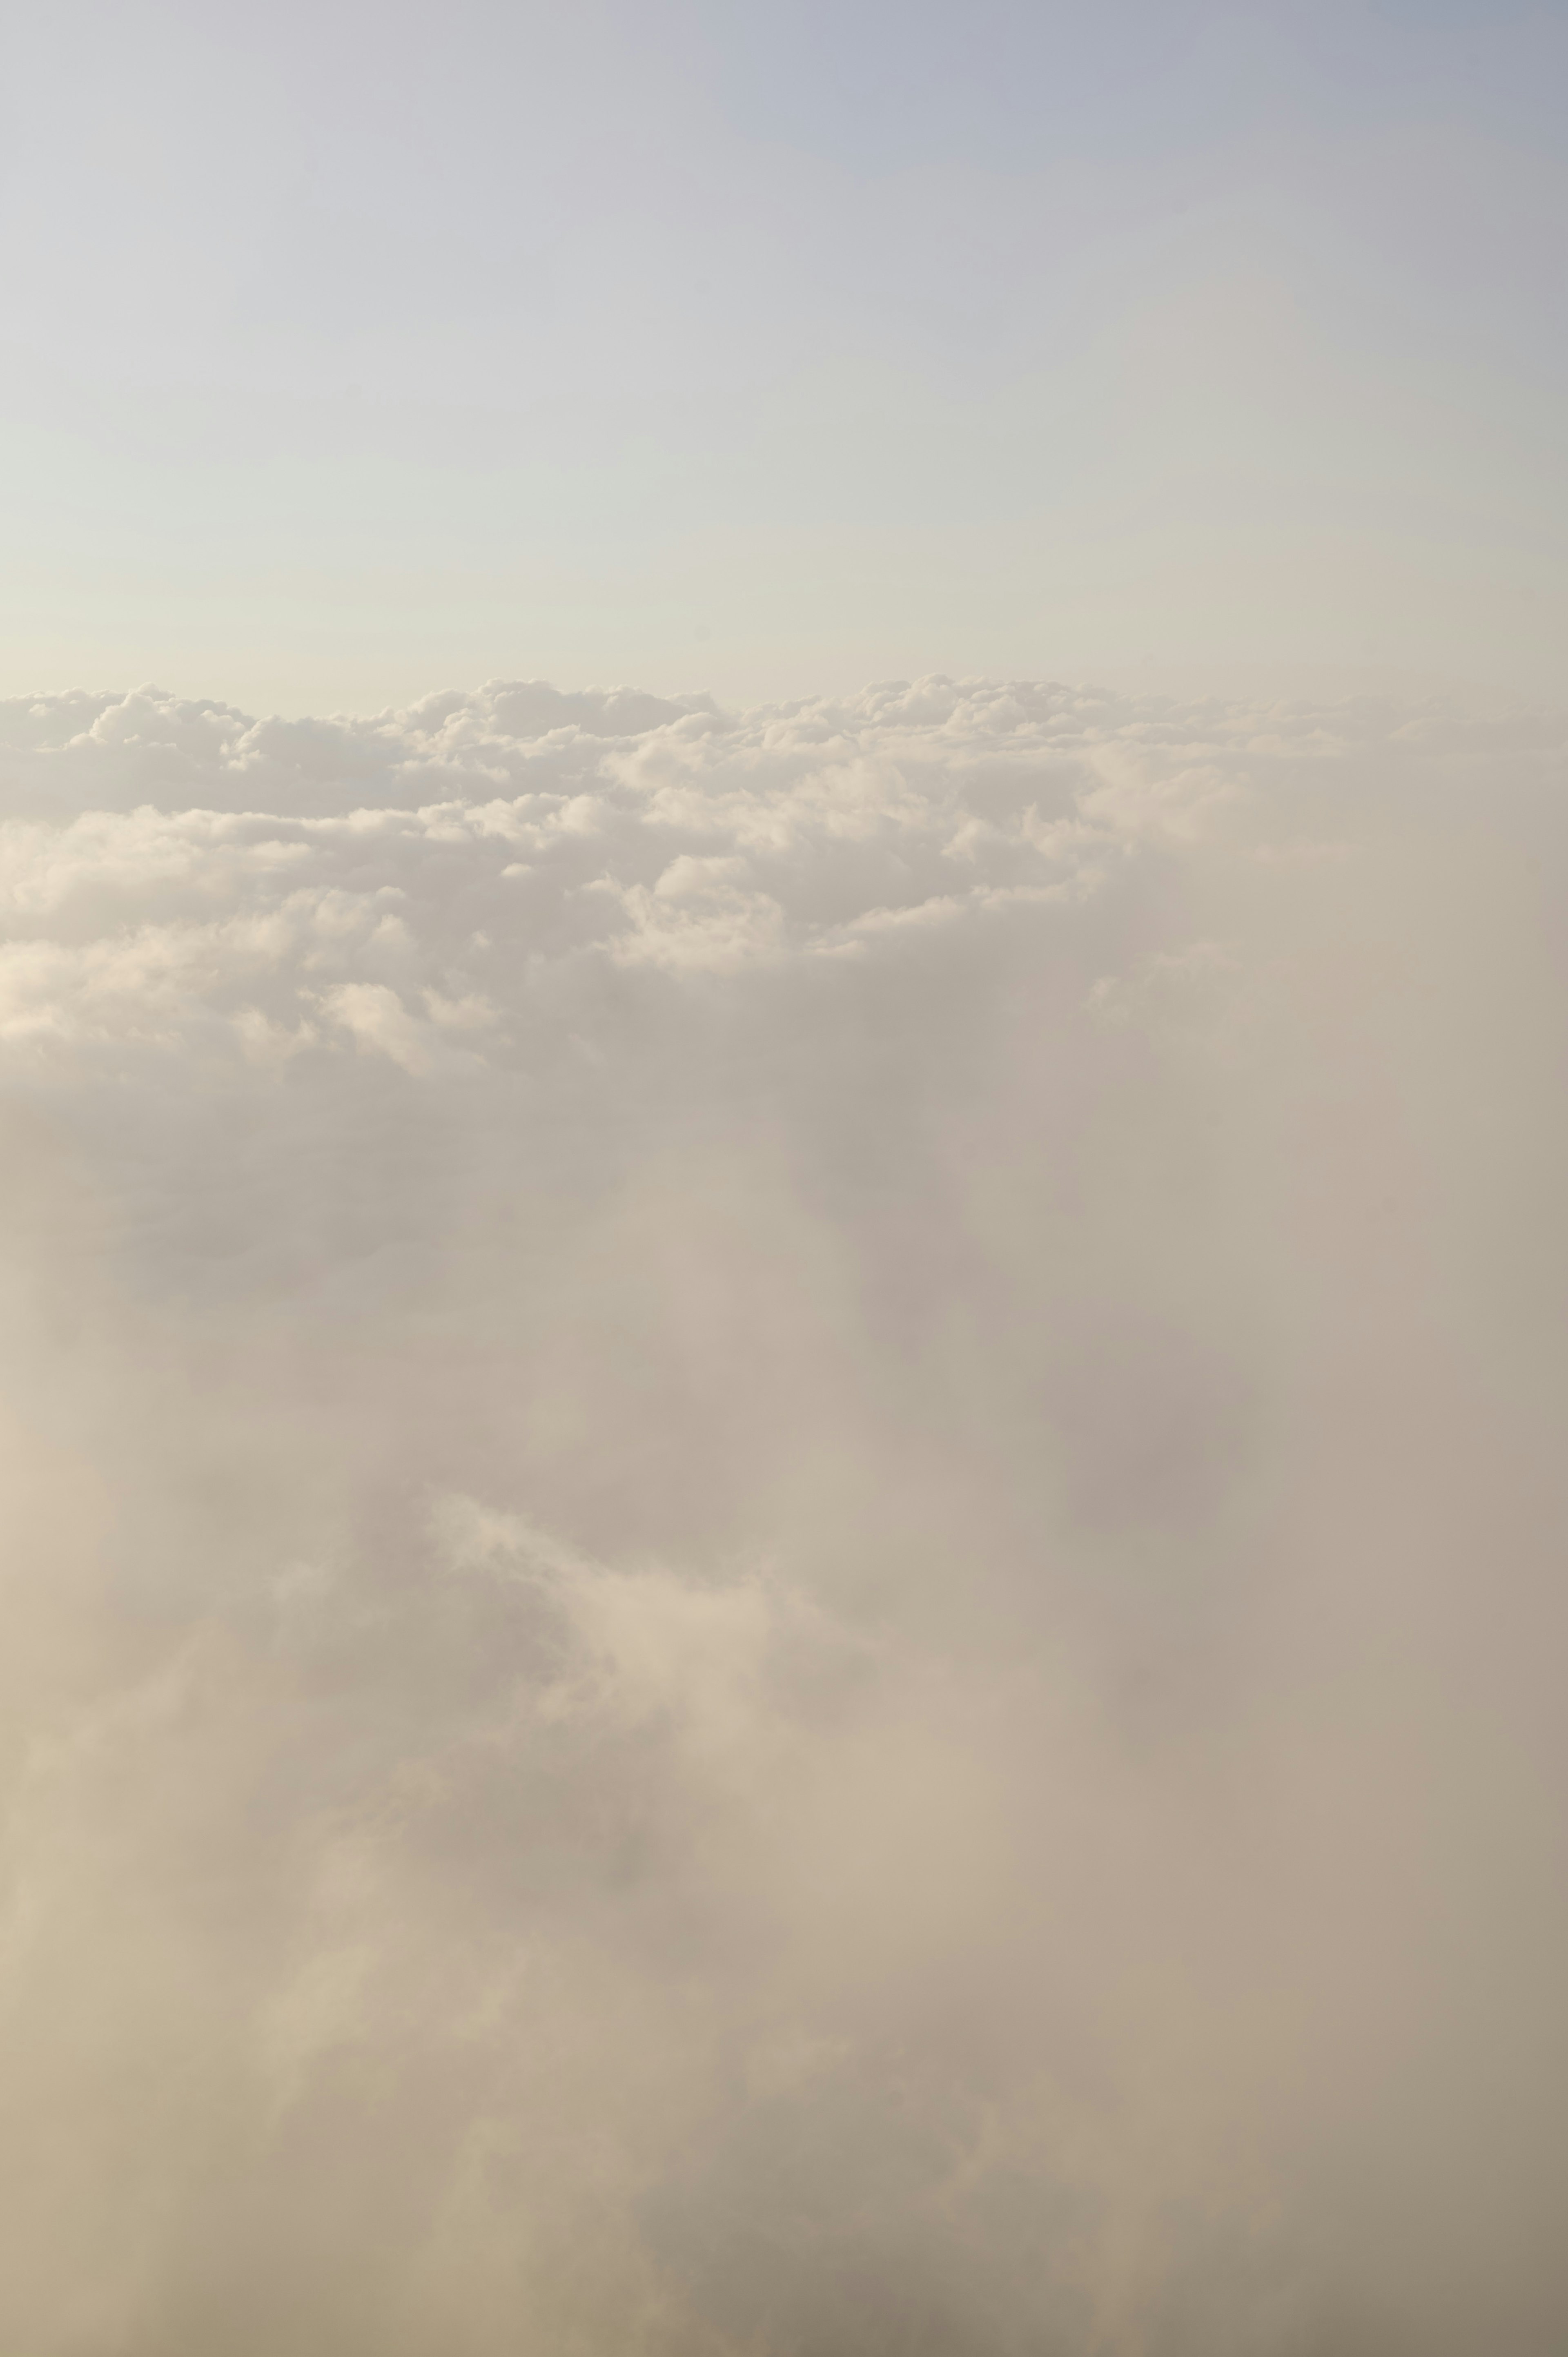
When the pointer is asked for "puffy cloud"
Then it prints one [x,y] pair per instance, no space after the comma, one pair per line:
[782,1522]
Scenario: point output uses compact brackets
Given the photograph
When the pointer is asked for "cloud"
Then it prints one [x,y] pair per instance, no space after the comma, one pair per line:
[782,1518]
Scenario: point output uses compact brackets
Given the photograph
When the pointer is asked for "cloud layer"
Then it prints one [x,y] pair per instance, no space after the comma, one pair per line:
[783,1528]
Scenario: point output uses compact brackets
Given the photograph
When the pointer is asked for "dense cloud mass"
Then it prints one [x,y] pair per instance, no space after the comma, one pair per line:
[783,1529]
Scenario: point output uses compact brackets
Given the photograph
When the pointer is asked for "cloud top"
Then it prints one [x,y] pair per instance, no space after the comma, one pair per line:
[781,1527]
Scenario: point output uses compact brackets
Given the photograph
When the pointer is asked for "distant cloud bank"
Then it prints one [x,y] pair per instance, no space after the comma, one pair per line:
[782,1529]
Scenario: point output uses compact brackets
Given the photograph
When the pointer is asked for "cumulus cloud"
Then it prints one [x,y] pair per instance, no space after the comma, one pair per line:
[783,1516]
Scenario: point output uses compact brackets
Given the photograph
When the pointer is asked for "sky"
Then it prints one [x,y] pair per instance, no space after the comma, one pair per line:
[783,997]
[349,354]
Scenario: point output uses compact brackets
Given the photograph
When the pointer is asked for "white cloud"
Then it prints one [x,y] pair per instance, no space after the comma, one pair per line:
[782,1531]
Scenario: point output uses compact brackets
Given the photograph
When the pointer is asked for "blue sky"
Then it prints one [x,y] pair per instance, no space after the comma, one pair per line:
[350,351]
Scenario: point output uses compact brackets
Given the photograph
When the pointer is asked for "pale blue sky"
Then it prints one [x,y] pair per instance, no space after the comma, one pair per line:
[351,351]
